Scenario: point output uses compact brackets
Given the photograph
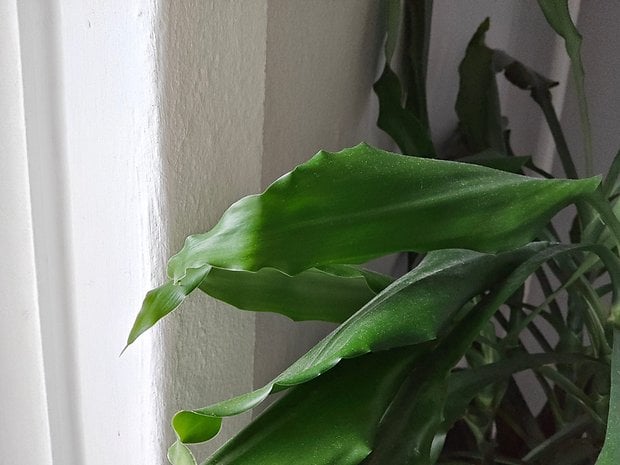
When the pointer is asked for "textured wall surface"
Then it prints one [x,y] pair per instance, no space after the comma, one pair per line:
[211,85]
[321,63]
[23,421]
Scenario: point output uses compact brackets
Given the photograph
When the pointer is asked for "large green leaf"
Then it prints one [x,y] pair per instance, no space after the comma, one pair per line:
[414,309]
[330,420]
[332,293]
[361,203]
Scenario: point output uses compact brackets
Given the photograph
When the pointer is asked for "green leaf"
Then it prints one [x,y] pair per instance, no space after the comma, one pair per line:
[179,454]
[610,455]
[527,79]
[558,16]
[362,203]
[492,159]
[477,104]
[417,33]
[413,310]
[330,420]
[405,422]
[400,123]
[465,385]
[415,414]
[162,300]
[332,293]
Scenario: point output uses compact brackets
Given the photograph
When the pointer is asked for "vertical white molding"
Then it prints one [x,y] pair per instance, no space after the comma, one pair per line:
[113,181]
[24,427]
[39,25]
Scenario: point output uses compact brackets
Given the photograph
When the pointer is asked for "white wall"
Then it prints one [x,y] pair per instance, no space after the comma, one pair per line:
[211,78]
[23,421]
[322,58]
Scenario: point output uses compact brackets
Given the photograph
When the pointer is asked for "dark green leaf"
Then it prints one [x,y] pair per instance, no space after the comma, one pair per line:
[400,123]
[538,85]
[361,203]
[465,384]
[417,32]
[413,310]
[332,293]
[477,104]
[610,455]
[330,420]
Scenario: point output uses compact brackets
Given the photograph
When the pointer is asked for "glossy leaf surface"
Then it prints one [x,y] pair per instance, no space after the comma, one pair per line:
[330,420]
[362,203]
[333,293]
[413,310]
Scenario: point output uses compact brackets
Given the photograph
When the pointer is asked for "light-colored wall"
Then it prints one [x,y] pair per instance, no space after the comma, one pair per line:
[23,422]
[598,25]
[322,59]
[211,78]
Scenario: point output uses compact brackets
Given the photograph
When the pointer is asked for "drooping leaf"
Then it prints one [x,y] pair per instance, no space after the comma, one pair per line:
[330,420]
[402,111]
[361,203]
[557,14]
[164,299]
[477,104]
[413,310]
[332,294]
[539,86]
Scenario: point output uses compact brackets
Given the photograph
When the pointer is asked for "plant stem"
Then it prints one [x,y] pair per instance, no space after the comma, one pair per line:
[544,102]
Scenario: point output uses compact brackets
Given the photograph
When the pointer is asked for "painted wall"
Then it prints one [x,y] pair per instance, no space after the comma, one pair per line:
[23,424]
[211,78]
